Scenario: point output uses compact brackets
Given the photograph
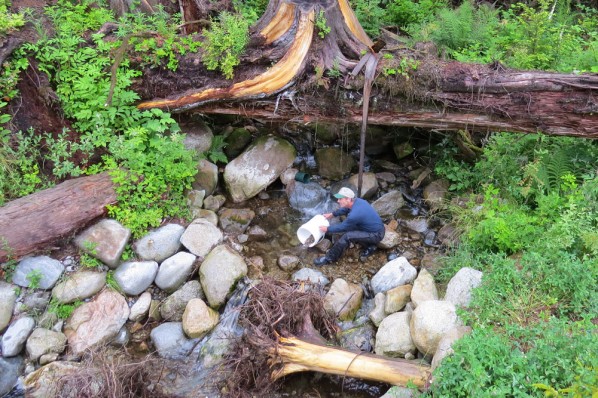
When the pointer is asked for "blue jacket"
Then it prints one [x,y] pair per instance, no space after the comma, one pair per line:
[361,217]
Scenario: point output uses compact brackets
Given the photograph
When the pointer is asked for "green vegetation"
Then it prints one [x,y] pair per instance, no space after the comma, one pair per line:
[529,212]
[34,277]
[531,225]
[8,20]
[225,42]
[63,311]
[141,149]
[321,24]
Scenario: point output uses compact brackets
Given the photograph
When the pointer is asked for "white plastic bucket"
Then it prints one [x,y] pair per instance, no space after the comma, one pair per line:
[312,228]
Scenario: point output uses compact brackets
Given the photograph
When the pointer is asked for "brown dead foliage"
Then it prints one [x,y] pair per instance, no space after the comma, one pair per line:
[110,373]
[274,308]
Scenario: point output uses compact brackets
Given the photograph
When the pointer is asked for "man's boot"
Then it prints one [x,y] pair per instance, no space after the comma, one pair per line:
[367,252]
[322,261]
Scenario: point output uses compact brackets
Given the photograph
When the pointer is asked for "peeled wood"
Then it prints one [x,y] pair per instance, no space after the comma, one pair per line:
[31,223]
[296,355]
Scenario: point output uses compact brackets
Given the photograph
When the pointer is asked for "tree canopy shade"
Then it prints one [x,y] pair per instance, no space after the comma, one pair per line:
[314,46]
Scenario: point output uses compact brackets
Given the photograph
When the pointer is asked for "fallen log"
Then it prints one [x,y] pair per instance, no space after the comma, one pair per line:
[292,355]
[30,223]
[288,330]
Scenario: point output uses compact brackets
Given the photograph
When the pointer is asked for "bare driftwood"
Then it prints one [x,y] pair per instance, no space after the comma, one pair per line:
[285,325]
[30,223]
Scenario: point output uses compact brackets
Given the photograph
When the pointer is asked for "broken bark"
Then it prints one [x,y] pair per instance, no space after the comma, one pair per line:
[35,221]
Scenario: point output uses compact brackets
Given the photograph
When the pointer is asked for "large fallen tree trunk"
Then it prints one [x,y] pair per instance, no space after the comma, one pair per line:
[412,88]
[31,223]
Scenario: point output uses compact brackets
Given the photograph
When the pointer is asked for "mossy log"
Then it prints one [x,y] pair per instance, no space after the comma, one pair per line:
[33,222]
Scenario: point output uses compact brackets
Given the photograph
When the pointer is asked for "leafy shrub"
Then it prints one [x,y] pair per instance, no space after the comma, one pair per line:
[490,364]
[9,21]
[371,15]
[151,171]
[407,12]
[225,42]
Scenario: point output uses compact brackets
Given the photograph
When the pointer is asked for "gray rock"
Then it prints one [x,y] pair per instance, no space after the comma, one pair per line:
[359,338]
[219,273]
[78,286]
[8,298]
[207,214]
[459,288]
[333,163]
[10,369]
[44,341]
[134,277]
[96,322]
[198,136]
[48,269]
[173,307]
[140,309]
[288,262]
[394,273]
[393,338]
[160,244]
[16,335]
[206,178]
[33,300]
[343,299]
[235,221]
[105,241]
[201,236]
[429,322]
[174,271]
[214,202]
[369,186]
[424,288]
[170,340]
[378,314]
[311,275]
[388,204]
[257,167]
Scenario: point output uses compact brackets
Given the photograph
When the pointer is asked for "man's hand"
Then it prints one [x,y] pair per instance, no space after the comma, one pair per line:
[327,215]
[323,228]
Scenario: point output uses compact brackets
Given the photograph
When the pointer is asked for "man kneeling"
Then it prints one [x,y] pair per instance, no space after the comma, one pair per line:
[362,225]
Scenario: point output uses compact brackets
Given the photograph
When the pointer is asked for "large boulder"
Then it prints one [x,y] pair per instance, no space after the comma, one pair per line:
[333,163]
[393,338]
[160,244]
[8,298]
[219,273]
[257,167]
[459,288]
[394,273]
[430,321]
[78,286]
[96,322]
[105,241]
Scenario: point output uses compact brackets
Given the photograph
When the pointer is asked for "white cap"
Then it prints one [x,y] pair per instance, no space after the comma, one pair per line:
[344,192]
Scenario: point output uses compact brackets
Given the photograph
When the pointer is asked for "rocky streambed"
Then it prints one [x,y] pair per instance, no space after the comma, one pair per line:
[167,294]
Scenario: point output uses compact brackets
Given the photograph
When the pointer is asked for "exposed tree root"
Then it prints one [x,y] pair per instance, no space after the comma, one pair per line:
[275,313]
